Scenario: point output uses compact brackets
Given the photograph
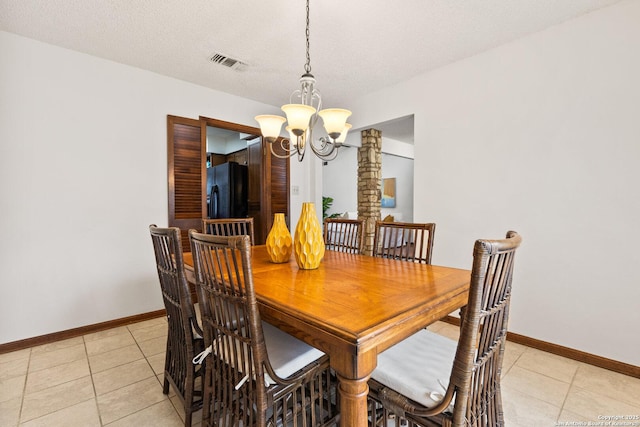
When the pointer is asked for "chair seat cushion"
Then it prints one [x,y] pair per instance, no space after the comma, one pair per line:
[287,354]
[418,367]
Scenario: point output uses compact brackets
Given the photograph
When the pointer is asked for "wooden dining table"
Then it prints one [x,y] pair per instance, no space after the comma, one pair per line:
[353,307]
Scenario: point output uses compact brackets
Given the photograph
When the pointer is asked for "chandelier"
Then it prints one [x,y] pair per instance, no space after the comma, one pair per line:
[302,117]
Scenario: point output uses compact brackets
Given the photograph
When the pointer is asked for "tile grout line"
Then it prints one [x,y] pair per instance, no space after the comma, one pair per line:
[564,401]
[546,375]
[513,364]
[24,387]
[156,376]
[145,358]
[93,385]
[570,383]
[91,373]
[132,413]
[558,408]
[24,390]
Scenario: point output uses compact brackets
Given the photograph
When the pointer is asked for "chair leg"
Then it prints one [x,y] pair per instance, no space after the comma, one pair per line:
[167,359]
[188,405]
[165,386]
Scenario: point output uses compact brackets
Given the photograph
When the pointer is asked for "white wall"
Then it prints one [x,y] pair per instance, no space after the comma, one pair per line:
[340,181]
[397,148]
[306,177]
[541,136]
[83,172]
[401,169]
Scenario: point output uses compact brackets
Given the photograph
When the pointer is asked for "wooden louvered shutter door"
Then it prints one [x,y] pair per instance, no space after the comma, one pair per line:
[279,188]
[187,175]
[257,209]
[269,195]
[268,187]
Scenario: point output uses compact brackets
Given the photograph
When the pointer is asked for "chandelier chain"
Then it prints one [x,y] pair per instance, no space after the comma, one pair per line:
[302,118]
[307,66]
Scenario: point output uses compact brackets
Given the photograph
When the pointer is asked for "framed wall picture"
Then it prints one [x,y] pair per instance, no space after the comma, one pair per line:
[388,192]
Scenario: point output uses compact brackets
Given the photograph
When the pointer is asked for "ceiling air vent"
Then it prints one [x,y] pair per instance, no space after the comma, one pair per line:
[225,61]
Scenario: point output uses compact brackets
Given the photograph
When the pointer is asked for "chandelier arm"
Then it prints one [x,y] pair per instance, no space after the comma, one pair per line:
[302,150]
[326,147]
[327,156]
[287,148]
[297,94]
[289,151]
[316,95]
[327,142]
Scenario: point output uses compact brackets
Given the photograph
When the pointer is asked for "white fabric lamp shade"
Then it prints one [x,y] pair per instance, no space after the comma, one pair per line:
[334,120]
[298,117]
[270,125]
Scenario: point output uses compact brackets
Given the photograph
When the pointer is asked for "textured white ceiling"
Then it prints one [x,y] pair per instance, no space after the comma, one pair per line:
[356,46]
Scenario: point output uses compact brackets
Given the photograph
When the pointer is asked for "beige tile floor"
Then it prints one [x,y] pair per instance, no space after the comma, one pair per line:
[114,378]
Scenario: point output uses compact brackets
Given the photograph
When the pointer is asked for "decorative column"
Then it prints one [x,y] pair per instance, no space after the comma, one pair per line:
[369,183]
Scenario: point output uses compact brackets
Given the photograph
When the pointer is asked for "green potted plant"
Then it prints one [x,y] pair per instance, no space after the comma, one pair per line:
[326,204]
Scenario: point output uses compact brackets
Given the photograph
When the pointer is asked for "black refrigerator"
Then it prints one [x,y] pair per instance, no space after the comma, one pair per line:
[227,195]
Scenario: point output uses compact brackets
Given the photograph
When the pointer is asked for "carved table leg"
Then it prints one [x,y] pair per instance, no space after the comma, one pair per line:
[353,401]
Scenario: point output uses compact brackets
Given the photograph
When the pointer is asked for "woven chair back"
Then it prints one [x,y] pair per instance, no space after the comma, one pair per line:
[344,235]
[232,326]
[404,241]
[182,344]
[478,363]
[229,227]
[240,386]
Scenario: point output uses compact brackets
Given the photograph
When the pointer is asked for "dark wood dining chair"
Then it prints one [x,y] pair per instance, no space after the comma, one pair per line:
[256,374]
[414,379]
[229,227]
[404,241]
[344,235]
[184,337]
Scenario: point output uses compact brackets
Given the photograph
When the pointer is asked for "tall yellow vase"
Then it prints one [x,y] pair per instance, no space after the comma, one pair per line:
[279,242]
[308,242]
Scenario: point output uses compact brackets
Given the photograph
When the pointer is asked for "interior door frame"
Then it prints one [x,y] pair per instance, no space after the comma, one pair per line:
[271,175]
[265,166]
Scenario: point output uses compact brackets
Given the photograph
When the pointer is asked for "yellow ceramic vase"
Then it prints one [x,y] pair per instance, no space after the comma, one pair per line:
[279,242]
[308,242]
